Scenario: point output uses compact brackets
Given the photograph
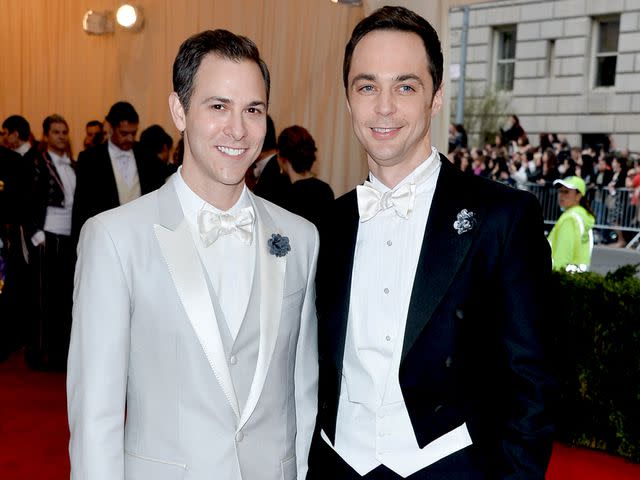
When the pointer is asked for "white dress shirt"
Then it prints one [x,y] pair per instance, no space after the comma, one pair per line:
[373,425]
[229,263]
[123,162]
[58,219]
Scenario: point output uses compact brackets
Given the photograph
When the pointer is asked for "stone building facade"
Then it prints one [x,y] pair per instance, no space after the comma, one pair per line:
[570,67]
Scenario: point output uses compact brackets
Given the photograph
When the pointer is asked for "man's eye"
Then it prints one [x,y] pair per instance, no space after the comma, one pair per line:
[406,88]
[254,110]
[366,88]
[217,106]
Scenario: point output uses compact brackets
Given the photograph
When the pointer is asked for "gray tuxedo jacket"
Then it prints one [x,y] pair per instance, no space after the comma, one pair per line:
[145,340]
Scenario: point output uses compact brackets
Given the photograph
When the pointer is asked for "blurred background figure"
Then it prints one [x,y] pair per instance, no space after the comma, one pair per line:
[571,238]
[512,130]
[16,134]
[157,142]
[94,134]
[51,251]
[307,196]
[116,171]
[13,187]
[457,136]
[271,183]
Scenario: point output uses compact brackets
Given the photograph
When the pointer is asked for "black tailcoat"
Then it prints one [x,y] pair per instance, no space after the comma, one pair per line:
[474,342]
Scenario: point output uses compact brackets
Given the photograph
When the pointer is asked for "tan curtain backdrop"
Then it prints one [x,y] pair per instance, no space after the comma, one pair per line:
[48,64]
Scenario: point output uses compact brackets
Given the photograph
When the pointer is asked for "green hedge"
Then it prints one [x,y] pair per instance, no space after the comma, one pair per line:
[596,354]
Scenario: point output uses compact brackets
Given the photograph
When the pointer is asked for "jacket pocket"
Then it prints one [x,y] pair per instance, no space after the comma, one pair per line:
[289,468]
[142,467]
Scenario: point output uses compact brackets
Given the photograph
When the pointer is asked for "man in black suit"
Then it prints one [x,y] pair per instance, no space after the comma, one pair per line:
[115,172]
[272,183]
[430,291]
[13,186]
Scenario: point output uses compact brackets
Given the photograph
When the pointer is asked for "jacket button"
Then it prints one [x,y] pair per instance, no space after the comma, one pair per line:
[435,410]
[324,405]
[239,436]
[459,313]
[233,360]
[448,362]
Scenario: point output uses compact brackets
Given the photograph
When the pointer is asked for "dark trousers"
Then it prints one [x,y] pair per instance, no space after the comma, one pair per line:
[325,464]
[15,280]
[52,266]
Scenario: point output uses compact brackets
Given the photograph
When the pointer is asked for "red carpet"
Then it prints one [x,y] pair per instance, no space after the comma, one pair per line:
[34,434]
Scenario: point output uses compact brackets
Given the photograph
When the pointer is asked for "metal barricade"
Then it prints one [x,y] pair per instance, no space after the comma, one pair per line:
[614,209]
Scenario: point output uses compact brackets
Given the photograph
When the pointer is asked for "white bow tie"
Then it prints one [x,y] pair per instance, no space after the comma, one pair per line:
[371,201]
[213,225]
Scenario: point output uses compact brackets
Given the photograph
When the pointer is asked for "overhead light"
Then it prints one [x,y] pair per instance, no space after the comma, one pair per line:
[97,23]
[130,17]
[353,3]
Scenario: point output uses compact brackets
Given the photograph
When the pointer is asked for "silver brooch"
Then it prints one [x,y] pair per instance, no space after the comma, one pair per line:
[465,221]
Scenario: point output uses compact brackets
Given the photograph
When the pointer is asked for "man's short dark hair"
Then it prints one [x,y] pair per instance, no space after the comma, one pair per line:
[297,145]
[153,138]
[50,120]
[219,42]
[122,112]
[94,123]
[402,20]
[17,123]
[270,137]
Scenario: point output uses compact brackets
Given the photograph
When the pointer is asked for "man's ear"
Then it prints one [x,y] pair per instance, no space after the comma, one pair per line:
[177,112]
[436,103]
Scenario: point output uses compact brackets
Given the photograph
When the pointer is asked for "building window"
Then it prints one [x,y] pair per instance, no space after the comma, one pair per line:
[505,57]
[551,58]
[607,31]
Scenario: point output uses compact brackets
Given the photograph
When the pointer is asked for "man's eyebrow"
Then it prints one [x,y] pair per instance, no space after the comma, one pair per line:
[408,76]
[217,99]
[369,77]
[228,101]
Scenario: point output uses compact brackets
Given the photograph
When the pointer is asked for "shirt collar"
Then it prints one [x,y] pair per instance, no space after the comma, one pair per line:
[192,203]
[115,151]
[419,175]
[22,149]
[59,160]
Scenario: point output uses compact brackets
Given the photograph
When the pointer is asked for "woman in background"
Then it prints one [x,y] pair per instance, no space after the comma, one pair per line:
[307,196]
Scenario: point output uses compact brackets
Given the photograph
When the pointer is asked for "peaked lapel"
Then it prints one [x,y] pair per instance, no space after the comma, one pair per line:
[271,287]
[108,177]
[338,258]
[176,243]
[443,250]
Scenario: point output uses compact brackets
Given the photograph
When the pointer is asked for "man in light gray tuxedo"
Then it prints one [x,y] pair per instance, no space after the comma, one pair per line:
[194,304]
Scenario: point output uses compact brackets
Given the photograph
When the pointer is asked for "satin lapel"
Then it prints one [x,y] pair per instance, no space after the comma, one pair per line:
[271,287]
[442,252]
[338,259]
[109,177]
[189,279]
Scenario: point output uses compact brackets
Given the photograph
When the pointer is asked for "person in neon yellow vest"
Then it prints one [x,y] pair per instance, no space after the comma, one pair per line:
[571,238]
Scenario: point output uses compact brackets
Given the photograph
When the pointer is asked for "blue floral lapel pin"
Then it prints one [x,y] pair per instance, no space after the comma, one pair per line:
[278,245]
[465,221]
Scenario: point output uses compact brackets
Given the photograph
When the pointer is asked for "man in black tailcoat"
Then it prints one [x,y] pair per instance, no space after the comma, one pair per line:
[430,292]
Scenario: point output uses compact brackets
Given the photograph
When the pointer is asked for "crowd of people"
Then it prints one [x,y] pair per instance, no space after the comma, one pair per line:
[47,194]
[611,177]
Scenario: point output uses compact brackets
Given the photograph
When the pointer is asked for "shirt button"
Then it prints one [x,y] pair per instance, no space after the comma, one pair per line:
[388,337]
[389,242]
[386,290]
[239,437]
[233,360]
[380,414]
